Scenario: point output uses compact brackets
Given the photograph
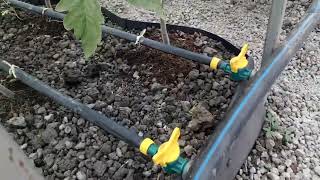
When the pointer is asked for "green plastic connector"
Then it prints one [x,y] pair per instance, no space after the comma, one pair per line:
[242,74]
[176,167]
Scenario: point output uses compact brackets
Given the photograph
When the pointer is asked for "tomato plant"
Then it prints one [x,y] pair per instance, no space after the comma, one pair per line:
[85,18]
[156,6]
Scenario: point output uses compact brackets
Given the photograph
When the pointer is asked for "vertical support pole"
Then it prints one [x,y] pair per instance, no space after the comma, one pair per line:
[274,29]
[13,163]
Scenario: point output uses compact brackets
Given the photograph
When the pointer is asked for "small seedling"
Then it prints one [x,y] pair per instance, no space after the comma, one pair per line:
[85,18]
[272,125]
[48,4]
[155,6]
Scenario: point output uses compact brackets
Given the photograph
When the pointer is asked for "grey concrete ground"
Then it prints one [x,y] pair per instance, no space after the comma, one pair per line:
[291,149]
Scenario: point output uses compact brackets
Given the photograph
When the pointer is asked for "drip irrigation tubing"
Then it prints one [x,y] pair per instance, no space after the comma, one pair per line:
[105,123]
[203,59]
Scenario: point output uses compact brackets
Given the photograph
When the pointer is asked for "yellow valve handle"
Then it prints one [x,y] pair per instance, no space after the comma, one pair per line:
[169,151]
[240,61]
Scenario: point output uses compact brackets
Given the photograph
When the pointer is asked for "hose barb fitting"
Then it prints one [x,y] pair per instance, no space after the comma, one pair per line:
[167,155]
[237,66]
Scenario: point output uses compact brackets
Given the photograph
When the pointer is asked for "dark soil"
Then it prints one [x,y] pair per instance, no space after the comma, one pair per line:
[164,67]
[147,90]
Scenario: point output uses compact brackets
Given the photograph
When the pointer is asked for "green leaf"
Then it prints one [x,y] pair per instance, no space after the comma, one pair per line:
[151,5]
[84,17]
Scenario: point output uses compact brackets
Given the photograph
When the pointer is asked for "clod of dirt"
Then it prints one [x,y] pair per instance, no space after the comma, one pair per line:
[201,118]
[72,77]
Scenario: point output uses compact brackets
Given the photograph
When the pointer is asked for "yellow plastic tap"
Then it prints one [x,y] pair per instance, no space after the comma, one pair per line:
[169,151]
[240,61]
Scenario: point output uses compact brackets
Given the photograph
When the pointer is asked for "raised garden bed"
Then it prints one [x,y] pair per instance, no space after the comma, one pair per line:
[147,90]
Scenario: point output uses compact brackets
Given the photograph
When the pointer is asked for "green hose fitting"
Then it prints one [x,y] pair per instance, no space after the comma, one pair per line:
[175,167]
[167,155]
[242,74]
[237,67]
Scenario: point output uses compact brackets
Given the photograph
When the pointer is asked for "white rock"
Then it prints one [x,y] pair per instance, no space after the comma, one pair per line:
[24,146]
[288,162]
[81,175]
[62,126]
[270,144]
[68,144]
[80,145]
[277,135]
[119,152]
[299,153]
[264,154]
[273,176]
[67,129]
[49,117]
[317,170]
[306,173]
[18,122]
[136,75]
[188,149]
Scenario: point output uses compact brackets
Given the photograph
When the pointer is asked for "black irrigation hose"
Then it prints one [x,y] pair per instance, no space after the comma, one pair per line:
[203,59]
[98,119]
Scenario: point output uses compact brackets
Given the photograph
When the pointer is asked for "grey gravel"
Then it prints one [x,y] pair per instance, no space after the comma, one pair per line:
[99,168]
[81,175]
[49,135]
[49,117]
[80,145]
[317,170]
[270,144]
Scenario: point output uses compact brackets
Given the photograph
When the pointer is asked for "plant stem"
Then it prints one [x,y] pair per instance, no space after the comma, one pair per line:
[164,32]
[48,4]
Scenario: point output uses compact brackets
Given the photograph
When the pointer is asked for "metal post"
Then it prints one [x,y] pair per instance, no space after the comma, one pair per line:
[13,163]
[274,29]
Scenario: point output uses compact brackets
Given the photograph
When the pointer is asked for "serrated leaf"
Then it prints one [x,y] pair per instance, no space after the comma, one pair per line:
[151,5]
[84,17]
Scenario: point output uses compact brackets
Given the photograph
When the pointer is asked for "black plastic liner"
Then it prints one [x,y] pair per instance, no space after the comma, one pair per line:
[140,25]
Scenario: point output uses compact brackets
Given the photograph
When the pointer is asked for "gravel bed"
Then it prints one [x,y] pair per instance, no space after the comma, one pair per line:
[292,149]
[140,93]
